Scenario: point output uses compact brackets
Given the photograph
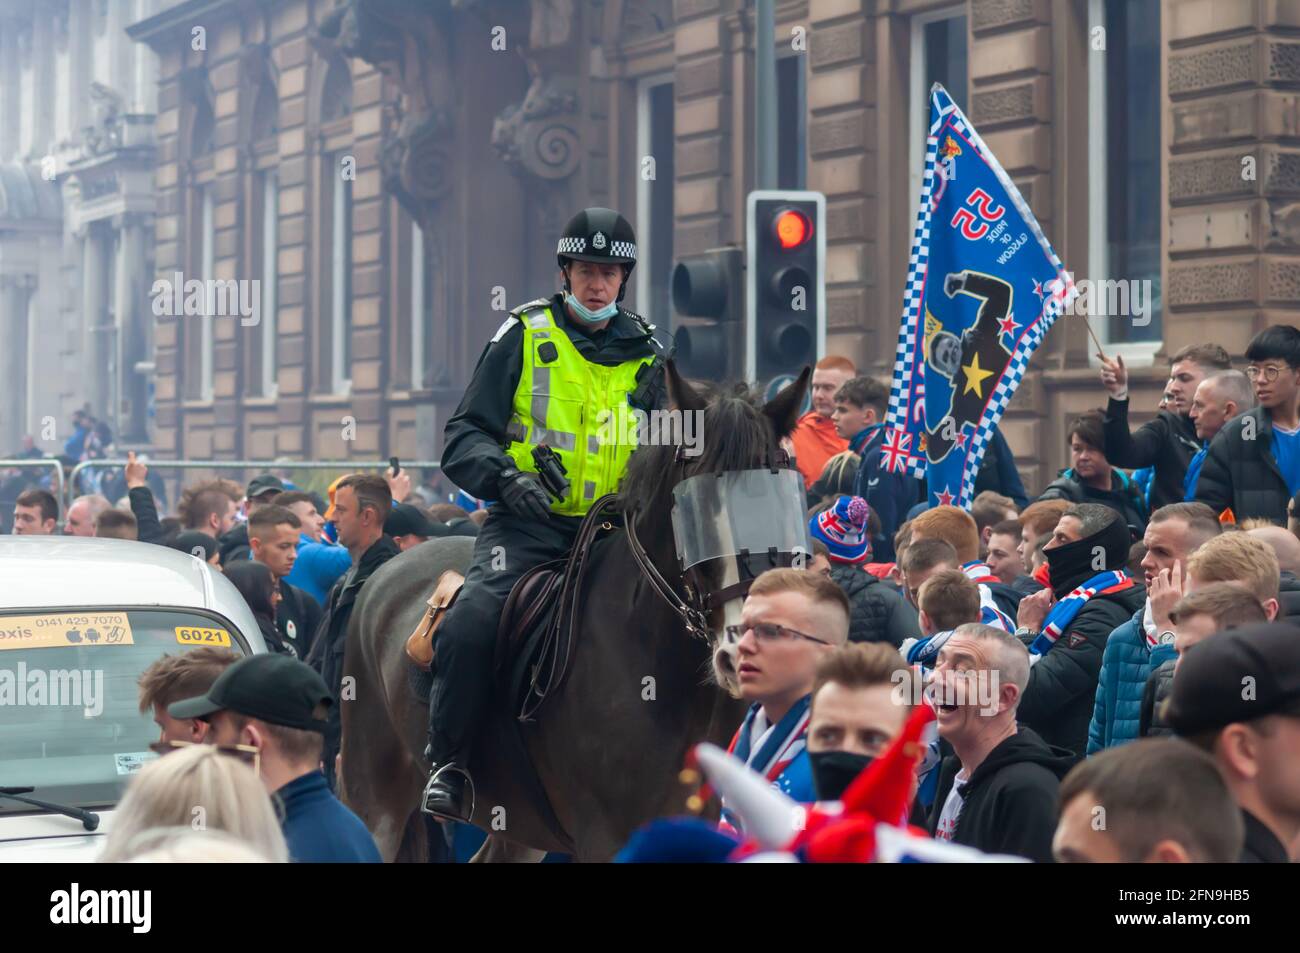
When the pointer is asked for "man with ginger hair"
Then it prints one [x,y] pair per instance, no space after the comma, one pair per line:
[814,438]
[958,527]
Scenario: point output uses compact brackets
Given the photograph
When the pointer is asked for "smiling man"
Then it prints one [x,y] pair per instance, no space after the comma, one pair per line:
[790,621]
[997,792]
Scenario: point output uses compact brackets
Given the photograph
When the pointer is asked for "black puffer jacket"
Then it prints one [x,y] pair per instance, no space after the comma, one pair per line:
[1240,471]
[1009,804]
[878,613]
[1124,496]
[1062,690]
[1167,443]
[1159,684]
[1288,597]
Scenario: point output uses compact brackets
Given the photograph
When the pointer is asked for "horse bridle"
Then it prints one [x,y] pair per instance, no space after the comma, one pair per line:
[700,602]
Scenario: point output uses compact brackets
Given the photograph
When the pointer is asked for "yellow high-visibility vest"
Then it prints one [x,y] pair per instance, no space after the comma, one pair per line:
[577,408]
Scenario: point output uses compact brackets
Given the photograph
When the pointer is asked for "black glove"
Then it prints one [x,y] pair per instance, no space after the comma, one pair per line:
[523,495]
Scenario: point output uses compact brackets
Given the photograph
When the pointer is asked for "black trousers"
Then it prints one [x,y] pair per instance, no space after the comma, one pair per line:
[506,548]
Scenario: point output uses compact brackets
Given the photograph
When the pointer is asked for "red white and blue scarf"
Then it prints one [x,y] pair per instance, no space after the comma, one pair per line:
[777,748]
[990,614]
[1063,612]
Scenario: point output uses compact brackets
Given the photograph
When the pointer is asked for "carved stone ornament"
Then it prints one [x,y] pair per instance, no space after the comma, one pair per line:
[539,136]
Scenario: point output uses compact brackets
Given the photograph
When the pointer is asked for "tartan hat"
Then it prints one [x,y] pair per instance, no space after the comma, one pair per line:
[843,528]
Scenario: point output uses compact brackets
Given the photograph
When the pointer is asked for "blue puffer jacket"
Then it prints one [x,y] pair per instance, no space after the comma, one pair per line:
[1125,666]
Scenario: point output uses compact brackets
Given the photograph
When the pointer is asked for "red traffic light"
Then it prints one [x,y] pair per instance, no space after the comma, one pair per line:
[792,228]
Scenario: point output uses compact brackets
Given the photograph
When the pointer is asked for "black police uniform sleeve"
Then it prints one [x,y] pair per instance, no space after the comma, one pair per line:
[1214,485]
[475,435]
[1140,448]
[149,529]
[1059,678]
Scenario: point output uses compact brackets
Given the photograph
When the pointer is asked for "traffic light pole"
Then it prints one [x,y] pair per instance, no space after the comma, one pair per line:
[765,171]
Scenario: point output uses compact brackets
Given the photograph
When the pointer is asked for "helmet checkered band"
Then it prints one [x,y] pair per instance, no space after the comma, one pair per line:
[623,249]
[571,246]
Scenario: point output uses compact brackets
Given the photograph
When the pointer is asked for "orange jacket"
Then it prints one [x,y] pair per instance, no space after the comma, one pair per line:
[815,441]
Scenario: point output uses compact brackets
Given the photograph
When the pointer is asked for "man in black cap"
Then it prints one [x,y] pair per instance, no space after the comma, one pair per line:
[408,525]
[1091,594]
[1237,696]
[278,705]
[261,490]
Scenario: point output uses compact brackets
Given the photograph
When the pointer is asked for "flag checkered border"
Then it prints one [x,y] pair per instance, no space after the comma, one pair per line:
[900,396]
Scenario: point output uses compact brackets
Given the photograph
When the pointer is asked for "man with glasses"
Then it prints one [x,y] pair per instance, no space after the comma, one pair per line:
[790,621]
[1253,464]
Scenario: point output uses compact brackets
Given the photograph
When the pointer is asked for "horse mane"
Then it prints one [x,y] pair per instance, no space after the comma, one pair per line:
[735,435]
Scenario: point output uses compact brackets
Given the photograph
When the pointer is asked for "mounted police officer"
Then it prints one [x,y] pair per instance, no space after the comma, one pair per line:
[551,376]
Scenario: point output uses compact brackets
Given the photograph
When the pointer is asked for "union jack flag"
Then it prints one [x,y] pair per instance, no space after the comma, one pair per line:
[895,450]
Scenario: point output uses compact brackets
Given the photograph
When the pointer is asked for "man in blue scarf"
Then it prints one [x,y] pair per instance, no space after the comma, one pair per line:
[1066,626]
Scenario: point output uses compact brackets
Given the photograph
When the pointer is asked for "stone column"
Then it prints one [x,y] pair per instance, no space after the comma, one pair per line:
[10,105]
[1232,171]
[13,361]
[127,341]
[94,339]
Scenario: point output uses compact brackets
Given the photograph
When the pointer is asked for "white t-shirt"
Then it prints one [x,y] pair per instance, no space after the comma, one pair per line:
[951,809]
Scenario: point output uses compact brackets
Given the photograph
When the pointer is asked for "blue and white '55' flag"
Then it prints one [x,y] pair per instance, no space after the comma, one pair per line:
[983,288]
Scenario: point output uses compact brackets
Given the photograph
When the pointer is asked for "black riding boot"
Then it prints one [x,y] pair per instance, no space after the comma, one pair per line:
[449,793]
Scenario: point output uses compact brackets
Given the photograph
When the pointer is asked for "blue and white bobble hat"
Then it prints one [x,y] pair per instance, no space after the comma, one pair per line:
[843,528]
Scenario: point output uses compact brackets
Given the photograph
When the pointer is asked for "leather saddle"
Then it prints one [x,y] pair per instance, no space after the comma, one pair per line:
[534,639]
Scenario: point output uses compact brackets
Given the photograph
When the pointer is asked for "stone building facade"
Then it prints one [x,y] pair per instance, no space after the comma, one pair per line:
[76,229]
[1157,141]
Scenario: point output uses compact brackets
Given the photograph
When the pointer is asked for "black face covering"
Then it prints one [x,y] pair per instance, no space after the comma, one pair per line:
[833,771]
[1075,563]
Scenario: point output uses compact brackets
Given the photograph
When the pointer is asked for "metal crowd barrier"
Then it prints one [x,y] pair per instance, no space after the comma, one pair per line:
[345,466]
[43,463]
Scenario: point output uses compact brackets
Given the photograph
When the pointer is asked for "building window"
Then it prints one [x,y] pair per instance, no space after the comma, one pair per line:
[939,55]
[341,281]
[791,122]
[207,268]
[654,198]
[1124,187]
[269,236]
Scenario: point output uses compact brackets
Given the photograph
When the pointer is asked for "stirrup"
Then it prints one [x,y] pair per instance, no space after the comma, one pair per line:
[433,779]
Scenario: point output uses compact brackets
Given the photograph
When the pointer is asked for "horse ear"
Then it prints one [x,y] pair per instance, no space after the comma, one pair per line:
[783,409]
[681,395]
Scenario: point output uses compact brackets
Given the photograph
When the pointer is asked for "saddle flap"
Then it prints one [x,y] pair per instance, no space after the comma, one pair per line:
[419,645]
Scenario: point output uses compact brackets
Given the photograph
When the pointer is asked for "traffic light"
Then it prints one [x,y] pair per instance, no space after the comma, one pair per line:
[708,288]
[785,322]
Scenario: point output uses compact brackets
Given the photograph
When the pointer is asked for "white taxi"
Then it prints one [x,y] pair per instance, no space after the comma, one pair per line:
[80,619]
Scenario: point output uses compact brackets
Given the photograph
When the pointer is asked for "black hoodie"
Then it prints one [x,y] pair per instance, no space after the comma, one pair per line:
[1009,804]
[1059,699]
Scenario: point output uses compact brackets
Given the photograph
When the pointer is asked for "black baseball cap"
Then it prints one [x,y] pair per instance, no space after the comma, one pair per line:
[408,520]
[264,483]
[1236,676]
[276,689]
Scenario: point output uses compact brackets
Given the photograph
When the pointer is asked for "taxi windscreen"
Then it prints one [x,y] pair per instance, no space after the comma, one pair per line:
[70,722]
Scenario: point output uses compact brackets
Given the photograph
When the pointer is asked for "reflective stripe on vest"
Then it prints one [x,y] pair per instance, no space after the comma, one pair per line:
[577,408]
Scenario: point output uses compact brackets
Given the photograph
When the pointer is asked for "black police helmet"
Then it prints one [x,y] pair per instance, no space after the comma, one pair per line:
[598,235]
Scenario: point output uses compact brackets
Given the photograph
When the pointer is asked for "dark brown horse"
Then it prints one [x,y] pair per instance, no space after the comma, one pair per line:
[608,745]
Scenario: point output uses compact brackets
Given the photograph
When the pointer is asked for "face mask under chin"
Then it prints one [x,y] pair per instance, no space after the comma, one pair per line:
[586,314]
